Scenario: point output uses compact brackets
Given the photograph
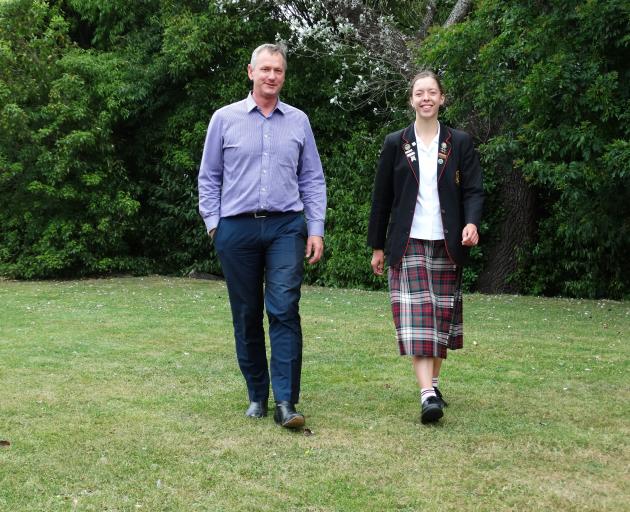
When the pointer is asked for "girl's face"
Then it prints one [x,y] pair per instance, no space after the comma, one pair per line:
[426,98]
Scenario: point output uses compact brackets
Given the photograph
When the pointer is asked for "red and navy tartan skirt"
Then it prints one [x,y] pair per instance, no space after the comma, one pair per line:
[425,290]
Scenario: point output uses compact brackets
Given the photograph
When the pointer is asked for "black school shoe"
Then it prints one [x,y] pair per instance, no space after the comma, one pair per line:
[431,410]
[439,395]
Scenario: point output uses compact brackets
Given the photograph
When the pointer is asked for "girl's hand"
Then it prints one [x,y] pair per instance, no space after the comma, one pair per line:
[378,261]
[470,237]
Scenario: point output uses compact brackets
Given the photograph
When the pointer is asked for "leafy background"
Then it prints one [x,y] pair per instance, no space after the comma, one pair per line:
[104,107]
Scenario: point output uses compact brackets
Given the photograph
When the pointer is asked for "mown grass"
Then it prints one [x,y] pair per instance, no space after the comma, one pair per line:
[124,395]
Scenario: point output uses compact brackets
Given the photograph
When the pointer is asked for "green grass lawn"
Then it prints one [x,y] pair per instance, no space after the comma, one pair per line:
[124,395]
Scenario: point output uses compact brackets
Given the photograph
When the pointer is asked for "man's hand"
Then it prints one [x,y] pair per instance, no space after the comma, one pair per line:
[211,233]
[314,248]
[378,261]
[470,236]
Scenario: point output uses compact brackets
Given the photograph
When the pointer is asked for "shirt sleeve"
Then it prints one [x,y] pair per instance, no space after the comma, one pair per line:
[211,174]
[311,183]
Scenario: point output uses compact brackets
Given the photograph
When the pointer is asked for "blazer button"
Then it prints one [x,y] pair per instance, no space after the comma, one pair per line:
[443,210]
[446,231]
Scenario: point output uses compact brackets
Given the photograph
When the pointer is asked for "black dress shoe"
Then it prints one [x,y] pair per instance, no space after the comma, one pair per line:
[286,415]
[256,410]
[431,410]
[440,397]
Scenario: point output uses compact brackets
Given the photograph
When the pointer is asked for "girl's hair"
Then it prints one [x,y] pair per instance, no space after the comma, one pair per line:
[425,73]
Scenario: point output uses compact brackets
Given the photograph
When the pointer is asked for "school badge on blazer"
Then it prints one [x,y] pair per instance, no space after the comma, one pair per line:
[444,153]
[410,153]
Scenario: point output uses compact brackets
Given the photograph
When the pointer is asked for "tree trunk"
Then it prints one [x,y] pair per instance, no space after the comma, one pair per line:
[460,10]
[516,231]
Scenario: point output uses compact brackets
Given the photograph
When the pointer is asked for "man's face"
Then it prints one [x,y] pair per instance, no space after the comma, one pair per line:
[268,75]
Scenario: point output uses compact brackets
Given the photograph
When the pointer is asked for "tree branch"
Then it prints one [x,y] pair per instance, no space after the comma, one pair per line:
[428,19]
[376,50]
[460,10]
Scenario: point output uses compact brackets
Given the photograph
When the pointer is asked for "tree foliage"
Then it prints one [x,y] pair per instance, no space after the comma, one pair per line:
[67,202]
[104,108]
[545,87]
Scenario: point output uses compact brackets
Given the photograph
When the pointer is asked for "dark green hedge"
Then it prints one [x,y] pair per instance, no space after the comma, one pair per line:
[104,108]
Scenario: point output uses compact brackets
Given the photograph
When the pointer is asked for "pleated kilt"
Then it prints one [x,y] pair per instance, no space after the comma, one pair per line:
[426,294]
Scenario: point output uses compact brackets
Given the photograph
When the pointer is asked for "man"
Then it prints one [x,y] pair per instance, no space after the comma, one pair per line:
[260,175]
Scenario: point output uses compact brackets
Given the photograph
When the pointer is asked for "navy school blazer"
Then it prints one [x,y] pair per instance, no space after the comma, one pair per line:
[460,189]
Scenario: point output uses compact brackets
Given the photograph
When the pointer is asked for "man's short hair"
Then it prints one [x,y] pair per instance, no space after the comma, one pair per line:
[271,48]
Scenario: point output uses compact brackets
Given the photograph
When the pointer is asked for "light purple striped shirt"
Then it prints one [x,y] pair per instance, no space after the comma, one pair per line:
[251,162]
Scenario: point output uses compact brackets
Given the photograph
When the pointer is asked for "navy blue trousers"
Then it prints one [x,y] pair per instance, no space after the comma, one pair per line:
[263,264]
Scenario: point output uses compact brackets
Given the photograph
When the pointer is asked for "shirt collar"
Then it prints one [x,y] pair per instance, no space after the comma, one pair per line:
[434,142]
[251,104]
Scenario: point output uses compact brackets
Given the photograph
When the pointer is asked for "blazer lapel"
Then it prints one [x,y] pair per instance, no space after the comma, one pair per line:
[408,147]
[444,149]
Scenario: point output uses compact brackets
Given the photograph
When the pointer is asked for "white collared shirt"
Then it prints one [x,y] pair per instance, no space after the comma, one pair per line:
[427,220]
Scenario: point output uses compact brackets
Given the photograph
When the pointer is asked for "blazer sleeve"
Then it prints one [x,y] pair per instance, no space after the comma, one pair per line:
[472,183]
[382,195]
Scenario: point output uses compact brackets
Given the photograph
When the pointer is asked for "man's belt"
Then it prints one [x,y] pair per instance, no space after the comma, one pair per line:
[261,214]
